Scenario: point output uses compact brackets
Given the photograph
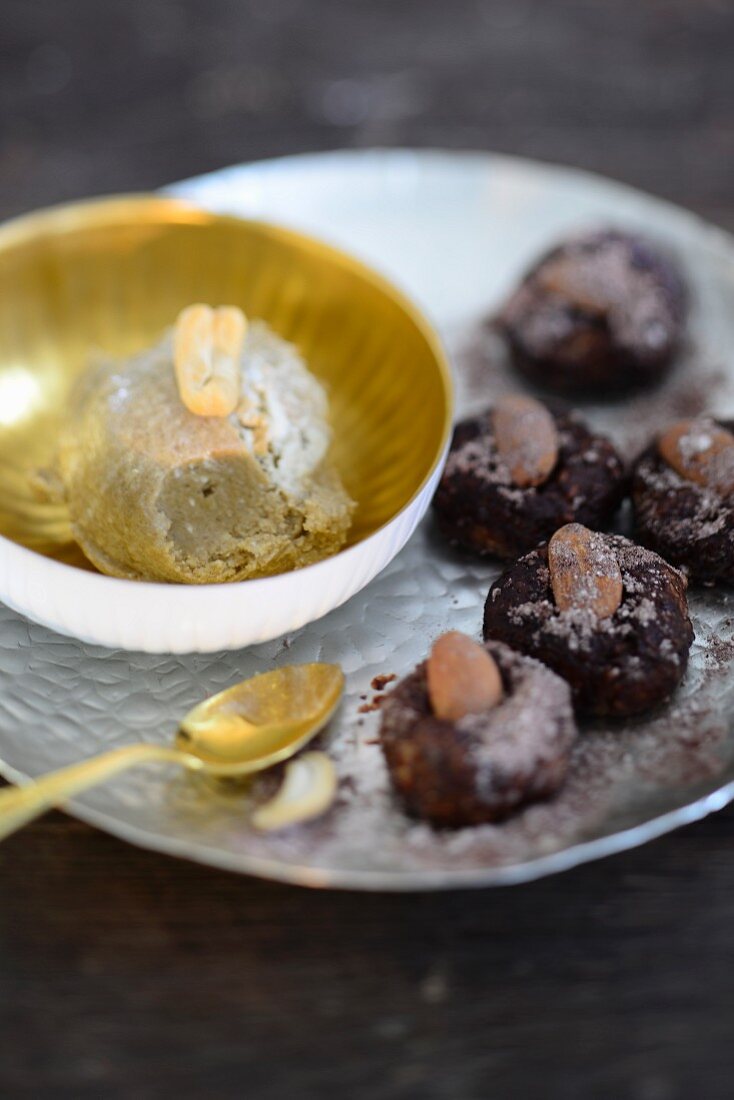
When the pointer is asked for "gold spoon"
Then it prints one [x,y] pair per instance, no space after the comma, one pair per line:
[245,729]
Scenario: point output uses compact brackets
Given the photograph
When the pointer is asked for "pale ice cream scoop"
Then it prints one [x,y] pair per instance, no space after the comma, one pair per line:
[157,492]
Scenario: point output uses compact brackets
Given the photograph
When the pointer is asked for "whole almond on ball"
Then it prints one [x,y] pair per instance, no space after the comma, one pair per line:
[584,571]
[526,439]
[702,452]
[462,677]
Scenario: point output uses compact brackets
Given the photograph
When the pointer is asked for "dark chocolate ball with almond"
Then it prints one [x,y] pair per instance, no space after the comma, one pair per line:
[476,732]
[608,616]
[683,497]
[520,471]
[604,311]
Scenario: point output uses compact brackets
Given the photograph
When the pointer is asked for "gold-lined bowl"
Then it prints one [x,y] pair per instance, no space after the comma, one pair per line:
[108,276]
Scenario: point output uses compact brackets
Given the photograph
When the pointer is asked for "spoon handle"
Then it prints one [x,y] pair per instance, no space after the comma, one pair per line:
[19,805]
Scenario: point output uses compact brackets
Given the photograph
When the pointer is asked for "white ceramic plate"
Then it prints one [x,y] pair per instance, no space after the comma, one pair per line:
[454,230]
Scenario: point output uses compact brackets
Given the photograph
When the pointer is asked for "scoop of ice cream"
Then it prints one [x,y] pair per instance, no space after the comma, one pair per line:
[286,408]
[157,492]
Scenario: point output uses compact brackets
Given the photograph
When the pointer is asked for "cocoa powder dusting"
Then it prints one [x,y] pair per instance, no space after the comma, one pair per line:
[621,774]
[379,683]
[694,386]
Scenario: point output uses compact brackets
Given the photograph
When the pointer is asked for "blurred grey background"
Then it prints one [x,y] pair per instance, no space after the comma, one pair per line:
[132,94]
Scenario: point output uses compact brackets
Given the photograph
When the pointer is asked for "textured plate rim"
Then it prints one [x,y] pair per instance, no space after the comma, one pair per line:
[514,874]
[400,157]
[417,881]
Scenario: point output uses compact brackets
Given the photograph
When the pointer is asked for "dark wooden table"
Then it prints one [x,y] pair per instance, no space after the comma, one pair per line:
[123,974]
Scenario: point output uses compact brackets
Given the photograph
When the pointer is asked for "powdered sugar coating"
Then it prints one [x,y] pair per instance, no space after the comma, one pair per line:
[480,508]
[689,524]
[623,664]
[484,766]
[616,773]
[610,280]
[604,309]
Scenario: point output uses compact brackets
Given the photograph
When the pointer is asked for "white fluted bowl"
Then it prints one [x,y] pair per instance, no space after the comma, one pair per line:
[111,274]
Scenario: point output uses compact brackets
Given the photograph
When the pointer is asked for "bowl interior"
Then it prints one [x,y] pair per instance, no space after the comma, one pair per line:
[108,276]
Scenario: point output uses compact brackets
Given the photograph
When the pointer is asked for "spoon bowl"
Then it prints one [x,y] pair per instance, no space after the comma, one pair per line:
[261,721]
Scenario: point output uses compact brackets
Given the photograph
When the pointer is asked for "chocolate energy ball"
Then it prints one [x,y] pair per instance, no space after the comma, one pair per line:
[619,665]
[480,507]
[602,312]
[483,766]
[690,522]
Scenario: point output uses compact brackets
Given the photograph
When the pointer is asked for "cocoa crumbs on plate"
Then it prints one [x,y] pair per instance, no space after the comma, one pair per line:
[621,774]
[694,385]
